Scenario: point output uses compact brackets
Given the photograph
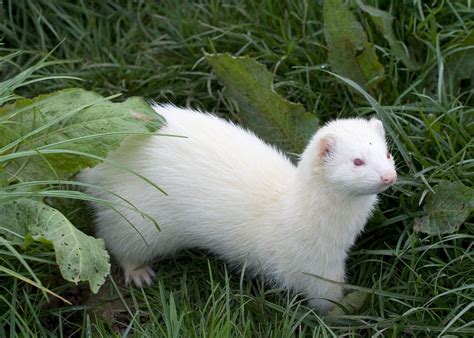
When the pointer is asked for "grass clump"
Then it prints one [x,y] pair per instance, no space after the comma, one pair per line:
[417,284]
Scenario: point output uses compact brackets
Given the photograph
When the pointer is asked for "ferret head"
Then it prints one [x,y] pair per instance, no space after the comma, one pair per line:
[352,156]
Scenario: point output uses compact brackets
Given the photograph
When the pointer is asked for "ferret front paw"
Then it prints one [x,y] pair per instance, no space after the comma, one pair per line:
[139,275]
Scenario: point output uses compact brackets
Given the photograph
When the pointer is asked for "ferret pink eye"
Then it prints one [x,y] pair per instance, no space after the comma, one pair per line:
[358,162]
[389,155]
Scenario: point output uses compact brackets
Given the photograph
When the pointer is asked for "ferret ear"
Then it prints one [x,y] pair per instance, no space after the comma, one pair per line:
[326,146]
[377,125]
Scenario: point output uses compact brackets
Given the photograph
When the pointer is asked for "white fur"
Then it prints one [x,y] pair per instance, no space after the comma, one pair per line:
[232,194]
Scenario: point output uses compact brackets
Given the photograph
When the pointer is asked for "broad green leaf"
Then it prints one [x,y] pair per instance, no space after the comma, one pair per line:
[446,209]
[460,65]
[72,119]
[350,54]
[272,117]
[80,257]
[383,21]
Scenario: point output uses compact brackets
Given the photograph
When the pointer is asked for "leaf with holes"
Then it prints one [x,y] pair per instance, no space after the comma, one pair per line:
[445,210]
[74,120]
[80,257]
[273,118]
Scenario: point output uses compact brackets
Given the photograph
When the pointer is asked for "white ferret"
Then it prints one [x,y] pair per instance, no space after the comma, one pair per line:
[232,194]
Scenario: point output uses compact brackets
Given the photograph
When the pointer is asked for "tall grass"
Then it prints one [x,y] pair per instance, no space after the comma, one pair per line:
[416,284]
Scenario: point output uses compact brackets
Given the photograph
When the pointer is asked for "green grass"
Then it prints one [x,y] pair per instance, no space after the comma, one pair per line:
[419,285]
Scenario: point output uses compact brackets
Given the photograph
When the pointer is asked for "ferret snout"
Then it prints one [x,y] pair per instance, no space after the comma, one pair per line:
[389,178]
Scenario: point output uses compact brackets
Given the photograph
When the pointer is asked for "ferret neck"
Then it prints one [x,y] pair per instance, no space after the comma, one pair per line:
[323,212]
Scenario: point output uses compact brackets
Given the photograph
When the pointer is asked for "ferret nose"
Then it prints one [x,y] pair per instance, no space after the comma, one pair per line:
[389,178]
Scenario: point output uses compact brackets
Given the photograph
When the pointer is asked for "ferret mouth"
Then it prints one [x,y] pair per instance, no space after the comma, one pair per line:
[383,187]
